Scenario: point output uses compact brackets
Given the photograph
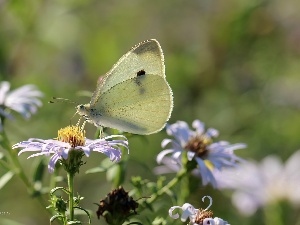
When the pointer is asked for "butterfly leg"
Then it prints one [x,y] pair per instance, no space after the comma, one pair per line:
[100,132]
[83,124]
[77,124]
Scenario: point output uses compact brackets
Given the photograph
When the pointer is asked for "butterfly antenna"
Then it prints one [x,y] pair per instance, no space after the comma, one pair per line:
[55,99]
[73,117]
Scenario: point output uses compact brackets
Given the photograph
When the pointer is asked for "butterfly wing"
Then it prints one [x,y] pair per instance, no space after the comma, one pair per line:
[146,56]
[140,105]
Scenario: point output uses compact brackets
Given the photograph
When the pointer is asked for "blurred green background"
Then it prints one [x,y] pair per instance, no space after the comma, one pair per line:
[233,64]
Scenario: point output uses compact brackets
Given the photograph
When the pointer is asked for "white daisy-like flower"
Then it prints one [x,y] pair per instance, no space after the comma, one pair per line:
[72,139]
[197,216]
[257,185]
[200,148]
[24,100]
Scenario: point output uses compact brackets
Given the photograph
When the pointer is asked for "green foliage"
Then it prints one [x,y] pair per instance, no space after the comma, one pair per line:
[5,178]
[232,64]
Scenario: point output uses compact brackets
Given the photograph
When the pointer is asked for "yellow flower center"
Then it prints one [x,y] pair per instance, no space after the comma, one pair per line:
[73,135]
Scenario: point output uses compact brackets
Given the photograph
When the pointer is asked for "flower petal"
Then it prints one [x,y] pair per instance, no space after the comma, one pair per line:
[180,131]
[162,154]
[4,88]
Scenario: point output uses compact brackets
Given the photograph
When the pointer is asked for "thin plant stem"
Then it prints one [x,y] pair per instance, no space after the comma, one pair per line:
[4,165]
[17,168]
[71,195]
[184,190]
[273,214]
[167,187]
[180,174]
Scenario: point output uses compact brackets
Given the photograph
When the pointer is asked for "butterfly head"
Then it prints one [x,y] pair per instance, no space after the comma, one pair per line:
[83,110]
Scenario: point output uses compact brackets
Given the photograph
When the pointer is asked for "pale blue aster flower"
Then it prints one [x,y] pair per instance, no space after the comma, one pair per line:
[24,100]
[59,149]
[258,184]
[199,146]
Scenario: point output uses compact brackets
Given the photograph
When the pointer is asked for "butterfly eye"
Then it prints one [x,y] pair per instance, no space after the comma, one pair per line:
[81,106]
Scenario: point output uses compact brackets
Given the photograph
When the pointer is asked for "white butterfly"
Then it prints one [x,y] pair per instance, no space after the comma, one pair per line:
[134,95]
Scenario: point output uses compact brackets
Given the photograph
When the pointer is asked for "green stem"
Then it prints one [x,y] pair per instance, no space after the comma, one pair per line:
[273,214]
[17,168]
[184,190]
[171,184]
[71,195]
[4,165]
[52,183]
[186,168]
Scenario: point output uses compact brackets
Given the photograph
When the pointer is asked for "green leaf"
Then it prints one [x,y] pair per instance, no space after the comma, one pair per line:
[5,178]
[9,222]
[58,188]
[135,223]
[103,167]
[116,174]
[96,170]
[1,155]
[39,171]
[56,217]
[159,221]
[74,222]
[84,210]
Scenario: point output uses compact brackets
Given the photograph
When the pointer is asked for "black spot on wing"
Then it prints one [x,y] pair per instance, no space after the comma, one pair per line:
[138,80]
[140,73]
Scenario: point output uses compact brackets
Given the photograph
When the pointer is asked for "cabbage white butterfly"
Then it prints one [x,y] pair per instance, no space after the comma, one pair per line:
[134,95]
